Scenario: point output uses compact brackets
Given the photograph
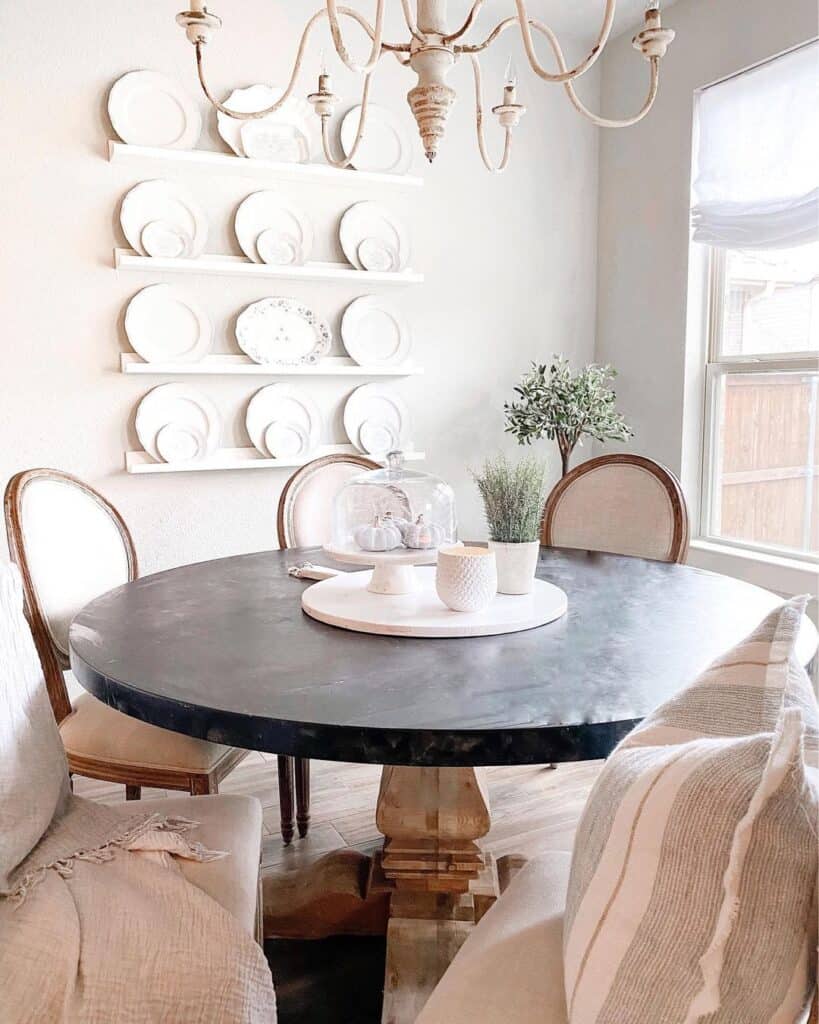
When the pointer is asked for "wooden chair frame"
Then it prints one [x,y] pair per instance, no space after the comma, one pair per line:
[295,771]
[54,660]
[679,540]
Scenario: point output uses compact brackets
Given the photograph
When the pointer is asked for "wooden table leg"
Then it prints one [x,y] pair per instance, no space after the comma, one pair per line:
[439,880]
[427,887]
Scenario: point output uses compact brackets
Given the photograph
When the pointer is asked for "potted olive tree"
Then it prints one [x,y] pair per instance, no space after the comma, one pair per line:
[553,402]
[513,498]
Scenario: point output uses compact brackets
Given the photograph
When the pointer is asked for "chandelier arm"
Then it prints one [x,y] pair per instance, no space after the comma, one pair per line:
[376,35]
[412,24]
[325,135]
[308,28]
[580,107]
[584,65]
[507,146]
[501,27]
[527,24]
[470,18]
[606,122]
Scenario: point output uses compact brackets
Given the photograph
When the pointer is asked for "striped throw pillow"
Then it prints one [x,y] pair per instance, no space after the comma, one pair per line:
[691,898]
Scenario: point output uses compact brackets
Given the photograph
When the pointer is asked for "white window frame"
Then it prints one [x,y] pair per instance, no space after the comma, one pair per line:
[717,366]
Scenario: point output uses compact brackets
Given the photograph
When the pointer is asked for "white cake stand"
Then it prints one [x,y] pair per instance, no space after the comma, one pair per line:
[393,571]
[349,602]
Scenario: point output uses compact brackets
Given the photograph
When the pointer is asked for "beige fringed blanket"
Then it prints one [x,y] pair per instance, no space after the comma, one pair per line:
[98,925]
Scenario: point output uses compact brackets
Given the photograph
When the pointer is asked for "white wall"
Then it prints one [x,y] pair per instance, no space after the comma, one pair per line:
[644,201]
[510,264]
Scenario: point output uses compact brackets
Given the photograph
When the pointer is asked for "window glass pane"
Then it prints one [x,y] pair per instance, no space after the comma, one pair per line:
[771,301]
[766,478]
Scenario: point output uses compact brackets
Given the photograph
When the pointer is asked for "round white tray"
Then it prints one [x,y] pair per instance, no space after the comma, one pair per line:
[346,601]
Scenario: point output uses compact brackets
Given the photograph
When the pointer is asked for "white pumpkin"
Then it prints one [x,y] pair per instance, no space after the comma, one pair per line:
[423,535]
[380,535]
[399,521]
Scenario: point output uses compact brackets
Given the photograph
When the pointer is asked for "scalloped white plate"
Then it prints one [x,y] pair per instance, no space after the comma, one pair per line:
[149,109]
[183,407]
[267,211]
[378,404]
[288,135]
[386,145]
[371,221]
[287,405]
[375,333]
[163,325]
[159,200]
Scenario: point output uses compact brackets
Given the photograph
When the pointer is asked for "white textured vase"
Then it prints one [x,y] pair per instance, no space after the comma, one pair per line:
[516,565]
[466,578]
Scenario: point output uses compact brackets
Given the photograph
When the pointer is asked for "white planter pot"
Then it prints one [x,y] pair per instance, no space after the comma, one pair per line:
[516,566]
[466,580]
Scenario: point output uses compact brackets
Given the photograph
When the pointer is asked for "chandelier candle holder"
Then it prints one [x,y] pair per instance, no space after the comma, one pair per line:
[431,52]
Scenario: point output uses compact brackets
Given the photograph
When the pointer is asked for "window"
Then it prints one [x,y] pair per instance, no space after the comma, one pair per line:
[756,207]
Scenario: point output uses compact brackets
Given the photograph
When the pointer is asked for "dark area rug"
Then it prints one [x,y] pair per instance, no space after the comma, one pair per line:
[328,981]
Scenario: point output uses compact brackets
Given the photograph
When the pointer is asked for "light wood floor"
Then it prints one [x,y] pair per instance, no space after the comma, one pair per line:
[534,809]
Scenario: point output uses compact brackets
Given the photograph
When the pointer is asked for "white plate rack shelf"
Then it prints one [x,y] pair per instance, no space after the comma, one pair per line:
[227,164]
[126,260]
[240,458]
[239,266]
[233,365]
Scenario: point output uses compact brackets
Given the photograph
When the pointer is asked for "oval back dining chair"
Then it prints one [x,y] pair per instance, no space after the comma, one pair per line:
[304,520]
[623,504]
[71,545]
[305,507]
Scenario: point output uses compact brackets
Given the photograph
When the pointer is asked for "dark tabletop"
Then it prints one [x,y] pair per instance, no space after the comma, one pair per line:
[222,650]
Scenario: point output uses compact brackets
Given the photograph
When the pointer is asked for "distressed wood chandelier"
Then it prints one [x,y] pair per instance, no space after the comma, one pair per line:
[431,53]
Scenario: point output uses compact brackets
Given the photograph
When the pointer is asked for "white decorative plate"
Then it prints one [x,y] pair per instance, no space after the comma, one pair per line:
[287,408]
[282,332]
[183,407]
[370,221]
[267,211]
[376,404]
[163,326]
[150,109]
[288,135]
[279,250]
[180,444]
[159,238]
[163,201]
[375,333]
[286,441]
[378,438]
[376,254]
[385,147]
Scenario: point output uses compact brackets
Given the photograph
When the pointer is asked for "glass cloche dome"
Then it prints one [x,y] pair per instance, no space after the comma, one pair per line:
[394,509]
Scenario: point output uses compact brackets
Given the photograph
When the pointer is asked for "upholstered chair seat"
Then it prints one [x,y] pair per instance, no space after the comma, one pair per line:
[226,822]
[93,730]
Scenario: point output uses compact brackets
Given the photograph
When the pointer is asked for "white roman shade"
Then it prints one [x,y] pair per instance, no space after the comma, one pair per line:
[756,156]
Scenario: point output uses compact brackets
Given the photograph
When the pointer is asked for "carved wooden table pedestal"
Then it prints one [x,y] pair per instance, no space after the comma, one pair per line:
[439,881]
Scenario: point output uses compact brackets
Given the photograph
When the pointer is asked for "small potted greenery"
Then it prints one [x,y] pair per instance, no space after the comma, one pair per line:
[513,498]
[553,402]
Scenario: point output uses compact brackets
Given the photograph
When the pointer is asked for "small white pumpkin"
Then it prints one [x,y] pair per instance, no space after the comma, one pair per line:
[380,535]
[399,521]
[423,535]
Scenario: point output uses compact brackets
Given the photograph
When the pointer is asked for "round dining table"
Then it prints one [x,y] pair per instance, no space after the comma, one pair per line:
[222,650]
